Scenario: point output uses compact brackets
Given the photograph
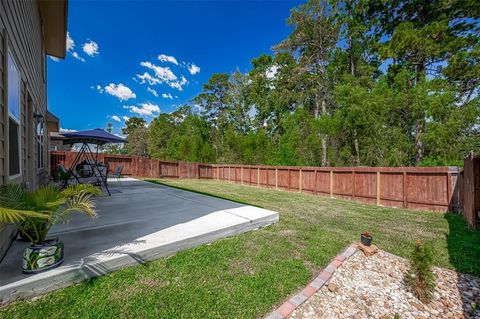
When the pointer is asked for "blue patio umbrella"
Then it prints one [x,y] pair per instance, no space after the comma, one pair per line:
[96,136]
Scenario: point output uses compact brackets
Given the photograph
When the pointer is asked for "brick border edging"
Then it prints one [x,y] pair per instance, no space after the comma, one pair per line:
[294,302]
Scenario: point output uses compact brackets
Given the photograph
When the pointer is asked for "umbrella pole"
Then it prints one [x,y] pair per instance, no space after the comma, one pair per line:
[102,178]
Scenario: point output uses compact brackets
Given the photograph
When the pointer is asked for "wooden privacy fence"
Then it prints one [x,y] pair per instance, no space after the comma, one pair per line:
[425,188]
[432,188]
[139,166]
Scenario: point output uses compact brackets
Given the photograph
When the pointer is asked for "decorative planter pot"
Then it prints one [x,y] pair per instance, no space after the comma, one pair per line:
[366,240]
[42,257]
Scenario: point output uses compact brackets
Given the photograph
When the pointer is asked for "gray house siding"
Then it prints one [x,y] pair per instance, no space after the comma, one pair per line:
[21,36]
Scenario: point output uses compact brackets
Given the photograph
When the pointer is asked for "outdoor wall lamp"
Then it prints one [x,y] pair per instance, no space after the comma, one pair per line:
[38,117]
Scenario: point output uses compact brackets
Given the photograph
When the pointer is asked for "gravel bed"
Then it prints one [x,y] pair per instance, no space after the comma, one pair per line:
[372,287]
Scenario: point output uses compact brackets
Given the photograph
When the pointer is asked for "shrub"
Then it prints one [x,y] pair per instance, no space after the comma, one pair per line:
[420,277]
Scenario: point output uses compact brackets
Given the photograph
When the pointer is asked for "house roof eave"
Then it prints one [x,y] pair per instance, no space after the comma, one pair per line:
[54,16]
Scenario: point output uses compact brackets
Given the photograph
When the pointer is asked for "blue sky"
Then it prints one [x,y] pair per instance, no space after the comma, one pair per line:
[123,50]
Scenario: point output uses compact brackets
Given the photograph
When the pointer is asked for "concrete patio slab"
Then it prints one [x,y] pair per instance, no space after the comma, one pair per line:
[141,221]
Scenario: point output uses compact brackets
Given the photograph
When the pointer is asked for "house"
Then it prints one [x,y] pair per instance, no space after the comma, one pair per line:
[55,142]
[29,31]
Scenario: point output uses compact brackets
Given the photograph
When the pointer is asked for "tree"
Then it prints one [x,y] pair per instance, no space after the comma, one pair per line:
[191,141]
[429,40]
[160,132]
[314,39]
[354,63]
[137,144]
[273,91]
[132,124]
[239,115]
[215,99]
[300,144]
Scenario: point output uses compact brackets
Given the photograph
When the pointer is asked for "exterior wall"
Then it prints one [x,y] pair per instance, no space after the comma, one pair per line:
[21,35]
[56,144]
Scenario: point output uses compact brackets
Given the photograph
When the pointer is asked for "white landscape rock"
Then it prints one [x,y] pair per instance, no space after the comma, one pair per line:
[372,287]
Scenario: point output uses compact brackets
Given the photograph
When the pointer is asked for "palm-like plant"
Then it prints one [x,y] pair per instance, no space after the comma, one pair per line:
[36,212]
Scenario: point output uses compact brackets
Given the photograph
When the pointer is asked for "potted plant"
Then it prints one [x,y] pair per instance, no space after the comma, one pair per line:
[36,212]
[366,238]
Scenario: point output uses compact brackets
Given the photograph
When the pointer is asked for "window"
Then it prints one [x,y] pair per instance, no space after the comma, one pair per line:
[13,104]
[40,145]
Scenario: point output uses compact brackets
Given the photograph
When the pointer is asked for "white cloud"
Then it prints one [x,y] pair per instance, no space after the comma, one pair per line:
[162,73]
[125,118]
[147,77]
[98,88]
[116,118]
[149,89]
[120,91]
[70,43]
[90,48]
[67,130]
[76,56]
[146,109]
[178,84]
[193,69]
[70,46]
[167,96]
[167,58]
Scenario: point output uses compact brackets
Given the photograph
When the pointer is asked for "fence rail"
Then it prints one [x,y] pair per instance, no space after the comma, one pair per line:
[429,188]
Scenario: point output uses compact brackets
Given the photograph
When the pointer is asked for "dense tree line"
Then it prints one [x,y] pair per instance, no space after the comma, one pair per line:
[377,83]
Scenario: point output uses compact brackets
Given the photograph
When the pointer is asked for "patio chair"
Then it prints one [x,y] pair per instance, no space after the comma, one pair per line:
[86,170]
[95,180]
[65,175]
[73,177]
[117,173]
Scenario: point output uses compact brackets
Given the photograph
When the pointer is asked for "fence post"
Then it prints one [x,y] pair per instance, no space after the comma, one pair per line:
[353,190]
[276,178]
[288,178]
[378,188]
[449,191]
[300,180]
[229,174]
[258,176]
[405,178]
[331,183]
[241,175]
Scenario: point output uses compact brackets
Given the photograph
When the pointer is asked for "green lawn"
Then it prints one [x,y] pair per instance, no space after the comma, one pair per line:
[246,275]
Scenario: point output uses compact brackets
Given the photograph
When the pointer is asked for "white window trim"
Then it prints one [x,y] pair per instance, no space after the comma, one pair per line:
[18,121]
[42,164]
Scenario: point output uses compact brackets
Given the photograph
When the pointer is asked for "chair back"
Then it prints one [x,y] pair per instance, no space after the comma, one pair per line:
[62,168]
[118,170]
